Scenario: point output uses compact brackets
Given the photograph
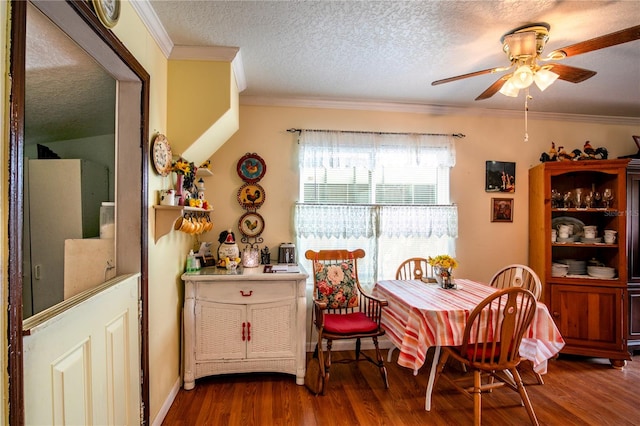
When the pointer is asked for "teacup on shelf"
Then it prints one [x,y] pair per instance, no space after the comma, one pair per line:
[610,236]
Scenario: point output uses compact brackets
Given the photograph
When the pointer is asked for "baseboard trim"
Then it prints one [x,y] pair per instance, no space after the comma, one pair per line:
[167,403]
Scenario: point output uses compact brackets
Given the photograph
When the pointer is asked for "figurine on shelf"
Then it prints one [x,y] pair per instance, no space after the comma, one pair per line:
[265,256]
[552,155]
[589,153]
[563,155]
[588,150]
[228,248]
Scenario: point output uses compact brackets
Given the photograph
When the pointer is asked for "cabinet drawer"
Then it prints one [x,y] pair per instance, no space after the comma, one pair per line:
[246,292]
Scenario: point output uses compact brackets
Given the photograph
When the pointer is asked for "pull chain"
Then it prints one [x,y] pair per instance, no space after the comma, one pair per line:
[526,115]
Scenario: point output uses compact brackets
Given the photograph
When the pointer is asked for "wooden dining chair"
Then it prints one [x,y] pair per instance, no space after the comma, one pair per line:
[343,310]
[415,268]
[518,275]
[490,346]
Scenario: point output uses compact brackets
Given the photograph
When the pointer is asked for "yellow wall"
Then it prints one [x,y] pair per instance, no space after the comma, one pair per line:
[198,95]
[167,256]
[482,246]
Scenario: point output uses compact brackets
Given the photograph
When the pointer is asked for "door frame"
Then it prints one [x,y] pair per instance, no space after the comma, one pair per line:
[124,60]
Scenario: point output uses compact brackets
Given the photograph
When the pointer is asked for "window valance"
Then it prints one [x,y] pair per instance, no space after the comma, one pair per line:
[345,149]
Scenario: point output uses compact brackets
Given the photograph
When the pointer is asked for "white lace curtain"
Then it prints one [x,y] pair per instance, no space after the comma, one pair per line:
[371,150]
[342,222]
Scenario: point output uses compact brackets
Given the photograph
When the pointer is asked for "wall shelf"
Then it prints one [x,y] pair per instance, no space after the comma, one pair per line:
[166,216]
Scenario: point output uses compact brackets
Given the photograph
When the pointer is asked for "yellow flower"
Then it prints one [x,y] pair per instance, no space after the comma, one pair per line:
[442,261]
[188,170]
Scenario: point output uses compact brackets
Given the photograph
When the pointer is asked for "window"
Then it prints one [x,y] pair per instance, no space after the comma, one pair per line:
[385,193]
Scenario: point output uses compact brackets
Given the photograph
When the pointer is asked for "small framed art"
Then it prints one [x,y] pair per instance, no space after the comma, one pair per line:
[500,176]
[502,210]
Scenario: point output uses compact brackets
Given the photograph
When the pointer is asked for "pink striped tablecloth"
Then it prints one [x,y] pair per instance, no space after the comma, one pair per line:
[422,315]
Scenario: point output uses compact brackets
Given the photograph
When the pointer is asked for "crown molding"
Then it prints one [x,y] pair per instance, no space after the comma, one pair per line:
[154,26]
[428,109]
[202,53]
[223,53]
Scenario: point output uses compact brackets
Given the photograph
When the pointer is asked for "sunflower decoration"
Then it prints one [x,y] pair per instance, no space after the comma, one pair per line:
[442,261]
[187,170]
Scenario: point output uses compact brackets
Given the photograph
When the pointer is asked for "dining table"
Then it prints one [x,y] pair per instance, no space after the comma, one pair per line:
[421,315]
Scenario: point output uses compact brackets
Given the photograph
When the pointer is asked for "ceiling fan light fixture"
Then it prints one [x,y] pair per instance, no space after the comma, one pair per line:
[508,89]
[523,77]
[544,78]
[520,44]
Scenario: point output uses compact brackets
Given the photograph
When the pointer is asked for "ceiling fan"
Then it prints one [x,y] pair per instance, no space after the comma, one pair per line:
[524,45]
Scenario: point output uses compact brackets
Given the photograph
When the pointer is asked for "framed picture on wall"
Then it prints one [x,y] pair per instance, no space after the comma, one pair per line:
[500,176]
[502,210]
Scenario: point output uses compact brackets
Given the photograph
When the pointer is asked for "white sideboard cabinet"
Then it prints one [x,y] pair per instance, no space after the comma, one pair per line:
[243,321]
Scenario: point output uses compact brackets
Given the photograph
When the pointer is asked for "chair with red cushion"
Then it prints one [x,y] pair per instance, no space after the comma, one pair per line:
[342,310]
[490,346]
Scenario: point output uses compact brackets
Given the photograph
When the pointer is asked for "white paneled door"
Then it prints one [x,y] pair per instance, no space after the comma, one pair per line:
[82,366]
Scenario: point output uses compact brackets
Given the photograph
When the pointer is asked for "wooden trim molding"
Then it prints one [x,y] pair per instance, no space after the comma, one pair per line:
[124,66]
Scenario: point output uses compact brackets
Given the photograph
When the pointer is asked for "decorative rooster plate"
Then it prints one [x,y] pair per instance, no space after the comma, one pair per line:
[251,168]
[251,196]
[251,224]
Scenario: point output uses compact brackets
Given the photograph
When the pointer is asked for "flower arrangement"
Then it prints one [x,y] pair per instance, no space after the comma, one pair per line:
[442,266]
[187,170]
[443,261]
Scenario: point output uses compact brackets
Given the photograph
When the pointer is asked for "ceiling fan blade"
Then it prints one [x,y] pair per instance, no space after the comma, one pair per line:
[494,88]
[471,74]
[572,74]
[608,40]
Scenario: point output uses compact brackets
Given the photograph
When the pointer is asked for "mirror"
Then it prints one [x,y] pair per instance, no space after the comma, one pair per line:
[69,167]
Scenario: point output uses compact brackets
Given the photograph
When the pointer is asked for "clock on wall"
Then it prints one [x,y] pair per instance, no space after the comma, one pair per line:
[161,155]
[108,11]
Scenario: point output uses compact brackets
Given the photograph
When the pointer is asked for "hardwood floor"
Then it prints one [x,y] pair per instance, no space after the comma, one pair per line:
[577,391]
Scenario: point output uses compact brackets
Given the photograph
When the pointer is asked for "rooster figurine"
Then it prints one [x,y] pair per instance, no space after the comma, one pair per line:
[563,155]
[552,155]
[588,150]
[594,154]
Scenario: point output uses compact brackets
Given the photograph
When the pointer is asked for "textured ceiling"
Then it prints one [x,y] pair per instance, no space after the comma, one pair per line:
[368,51]
[391,51]
[67,94]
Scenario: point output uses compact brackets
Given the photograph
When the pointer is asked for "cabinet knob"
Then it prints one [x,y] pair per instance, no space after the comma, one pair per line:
[246,294]
[556,314]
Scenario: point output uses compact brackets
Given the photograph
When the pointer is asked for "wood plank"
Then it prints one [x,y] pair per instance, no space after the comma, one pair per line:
[577,390]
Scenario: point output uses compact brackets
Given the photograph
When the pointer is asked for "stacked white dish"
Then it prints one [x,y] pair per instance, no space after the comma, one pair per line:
[576,267]
[603,272]
[559,269]
[595,240]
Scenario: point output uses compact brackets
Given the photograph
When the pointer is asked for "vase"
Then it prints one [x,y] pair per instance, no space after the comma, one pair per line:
[179,194]
[444,276]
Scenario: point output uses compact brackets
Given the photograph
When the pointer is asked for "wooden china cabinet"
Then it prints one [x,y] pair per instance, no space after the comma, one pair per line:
[589,308]
[633,252]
